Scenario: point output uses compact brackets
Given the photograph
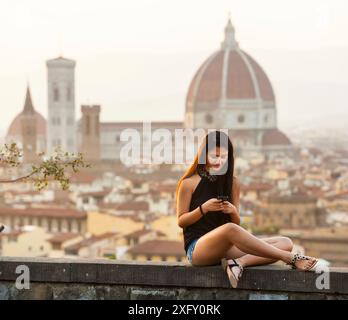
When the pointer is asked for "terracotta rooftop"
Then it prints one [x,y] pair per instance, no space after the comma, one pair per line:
[89,241]
[159,247]
[97,194]
[59,238]
[257,187]
[139,233]
[275,137]
[127,206]
[43,212]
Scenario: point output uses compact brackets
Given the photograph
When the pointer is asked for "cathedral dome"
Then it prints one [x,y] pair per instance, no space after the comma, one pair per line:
[15,128]
[275,137]
[229,74]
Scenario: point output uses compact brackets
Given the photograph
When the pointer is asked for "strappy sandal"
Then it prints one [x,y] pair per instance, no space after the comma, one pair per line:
[227,267]
[298,257]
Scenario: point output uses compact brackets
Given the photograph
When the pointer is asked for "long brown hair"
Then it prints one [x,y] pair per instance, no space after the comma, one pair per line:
[215,139]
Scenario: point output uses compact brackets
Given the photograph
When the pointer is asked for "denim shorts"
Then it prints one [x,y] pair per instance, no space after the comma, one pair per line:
[190,249]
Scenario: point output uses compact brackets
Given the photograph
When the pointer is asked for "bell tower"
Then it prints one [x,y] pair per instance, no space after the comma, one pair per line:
[61,105]
[90,131]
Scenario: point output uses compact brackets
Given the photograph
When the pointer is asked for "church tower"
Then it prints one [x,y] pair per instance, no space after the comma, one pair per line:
[29,130]
[90,130]
[61,105]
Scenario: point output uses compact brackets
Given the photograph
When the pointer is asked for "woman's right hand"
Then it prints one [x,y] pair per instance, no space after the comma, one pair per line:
[212,204]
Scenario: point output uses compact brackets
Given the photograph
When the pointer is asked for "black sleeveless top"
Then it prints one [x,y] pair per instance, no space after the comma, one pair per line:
[205,190]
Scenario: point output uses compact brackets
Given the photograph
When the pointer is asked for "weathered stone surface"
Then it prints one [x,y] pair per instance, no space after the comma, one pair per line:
[267,296]
[336,297]
[112,292]
[306,296]
[74,292]
[152,294]
[37,291]
[4,292]
[111,279]
[232,294]
[195,294]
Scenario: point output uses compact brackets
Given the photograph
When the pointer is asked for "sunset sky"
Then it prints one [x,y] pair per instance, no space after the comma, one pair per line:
[137,58]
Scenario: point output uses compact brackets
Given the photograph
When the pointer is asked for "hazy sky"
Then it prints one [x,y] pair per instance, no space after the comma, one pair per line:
[137,58]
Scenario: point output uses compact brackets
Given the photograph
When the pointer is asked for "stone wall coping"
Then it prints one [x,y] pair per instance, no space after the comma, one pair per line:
[170,274]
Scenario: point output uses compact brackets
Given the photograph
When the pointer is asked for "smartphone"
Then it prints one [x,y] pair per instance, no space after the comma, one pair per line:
[222,198]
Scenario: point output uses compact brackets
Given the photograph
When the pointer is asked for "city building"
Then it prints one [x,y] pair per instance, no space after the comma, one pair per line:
[230,91]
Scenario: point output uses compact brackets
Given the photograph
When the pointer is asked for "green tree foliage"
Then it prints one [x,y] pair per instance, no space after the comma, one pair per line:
[54,167]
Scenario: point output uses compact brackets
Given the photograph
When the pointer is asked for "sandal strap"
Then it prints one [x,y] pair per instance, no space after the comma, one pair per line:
[235,264]
[297,257]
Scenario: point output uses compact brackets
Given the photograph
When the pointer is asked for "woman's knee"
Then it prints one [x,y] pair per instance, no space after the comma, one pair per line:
[287,243]
[231,228]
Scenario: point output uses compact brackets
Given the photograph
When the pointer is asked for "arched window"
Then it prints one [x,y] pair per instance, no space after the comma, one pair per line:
[68,94]
[88,125]
[241,118]
[69,121]
[209,118]
[96,125]
[56,94]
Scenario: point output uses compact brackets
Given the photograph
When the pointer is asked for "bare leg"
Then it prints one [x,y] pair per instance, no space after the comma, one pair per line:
[246,260]
[213,246]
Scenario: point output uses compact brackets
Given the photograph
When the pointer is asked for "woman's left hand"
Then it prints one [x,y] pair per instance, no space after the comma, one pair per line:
[229,208]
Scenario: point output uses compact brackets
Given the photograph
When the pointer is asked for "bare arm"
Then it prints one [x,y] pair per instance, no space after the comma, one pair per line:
[235,217]
[184,216]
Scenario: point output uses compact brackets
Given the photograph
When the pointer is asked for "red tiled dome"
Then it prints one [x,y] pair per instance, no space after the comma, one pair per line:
[15,128]
[275,137]
[229,73]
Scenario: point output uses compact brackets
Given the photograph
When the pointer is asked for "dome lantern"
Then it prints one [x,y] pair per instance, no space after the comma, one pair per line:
[230,36]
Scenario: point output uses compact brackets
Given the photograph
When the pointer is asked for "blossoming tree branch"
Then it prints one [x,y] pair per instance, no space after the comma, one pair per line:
[54,167]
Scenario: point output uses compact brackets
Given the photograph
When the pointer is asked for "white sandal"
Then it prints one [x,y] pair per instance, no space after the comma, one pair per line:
[227,266]
[298,257]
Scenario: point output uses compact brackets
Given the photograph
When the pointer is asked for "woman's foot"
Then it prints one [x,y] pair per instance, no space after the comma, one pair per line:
[234,270]
[303,262]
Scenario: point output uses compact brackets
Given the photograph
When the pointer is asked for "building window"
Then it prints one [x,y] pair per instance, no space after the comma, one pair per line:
[208,118]
[96,125]
[69,121]
[57,142]
[30,131]
[56,94]
[55,121]
[12,239]
[88,125]
[241,118]
[68,94]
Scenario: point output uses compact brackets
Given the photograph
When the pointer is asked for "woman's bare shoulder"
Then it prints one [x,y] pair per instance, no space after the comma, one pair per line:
[236,181]
[191,181]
